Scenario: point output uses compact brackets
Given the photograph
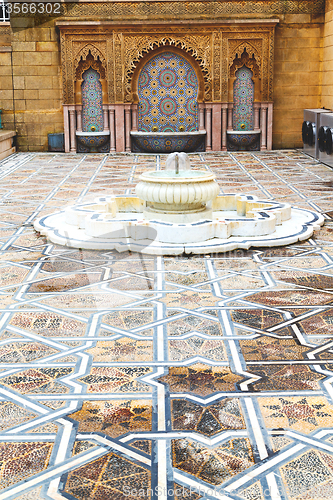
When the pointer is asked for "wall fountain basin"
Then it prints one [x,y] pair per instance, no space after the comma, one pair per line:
[243,140]
[166,142]
[92,142]
[179,211]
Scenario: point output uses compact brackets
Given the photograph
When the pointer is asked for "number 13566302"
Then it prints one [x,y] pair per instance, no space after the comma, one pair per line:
[33,8]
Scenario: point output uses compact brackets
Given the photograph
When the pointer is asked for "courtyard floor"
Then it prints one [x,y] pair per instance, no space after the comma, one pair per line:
[126,376]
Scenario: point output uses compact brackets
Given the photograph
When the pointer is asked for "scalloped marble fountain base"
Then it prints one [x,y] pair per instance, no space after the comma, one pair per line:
[236,221]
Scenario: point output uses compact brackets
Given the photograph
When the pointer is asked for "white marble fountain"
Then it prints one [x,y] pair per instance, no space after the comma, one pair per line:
[175,211]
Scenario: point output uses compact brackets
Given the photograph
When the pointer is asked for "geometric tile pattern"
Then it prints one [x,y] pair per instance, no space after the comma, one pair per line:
[168,88]
[125,375]
[92,112]
[243,100]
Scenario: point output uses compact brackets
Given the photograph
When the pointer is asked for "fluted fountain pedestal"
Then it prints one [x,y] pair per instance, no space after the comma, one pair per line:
[180,197]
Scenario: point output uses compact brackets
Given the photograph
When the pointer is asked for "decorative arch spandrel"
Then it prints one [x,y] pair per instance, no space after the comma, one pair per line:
[253,61]
[257,40]
[197,46]
[89,62]
[92,49]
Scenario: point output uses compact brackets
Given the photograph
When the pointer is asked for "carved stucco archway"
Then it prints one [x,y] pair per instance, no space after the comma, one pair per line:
[120,50]
[90,49]
[251,50]
[188,46]
[242,57]
[86,61]
[146,57]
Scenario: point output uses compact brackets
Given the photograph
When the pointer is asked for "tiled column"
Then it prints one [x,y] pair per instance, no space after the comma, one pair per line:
[79,118]
[263,120]
[66,128]
[120,128]
[127,127]
[112,129]
[216,127]
[224,126]
[72,128]
[208,127]
[134,108]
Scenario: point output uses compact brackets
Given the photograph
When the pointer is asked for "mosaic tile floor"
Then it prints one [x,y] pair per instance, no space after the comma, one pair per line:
[125,376]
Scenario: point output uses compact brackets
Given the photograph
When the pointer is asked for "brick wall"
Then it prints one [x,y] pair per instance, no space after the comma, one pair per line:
[6,82]
[297,75]
[37,84]
[327,78]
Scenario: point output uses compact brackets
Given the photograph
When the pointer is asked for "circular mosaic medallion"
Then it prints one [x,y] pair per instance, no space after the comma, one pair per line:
[144,106]
[144,78]
[168,106]
[172,82]
[167,78]
[191,79]
[191,106]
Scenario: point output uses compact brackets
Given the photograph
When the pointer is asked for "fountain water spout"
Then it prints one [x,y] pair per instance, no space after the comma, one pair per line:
[181,159]
[177,164]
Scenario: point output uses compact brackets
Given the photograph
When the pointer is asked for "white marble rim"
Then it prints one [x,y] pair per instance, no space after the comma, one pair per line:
[93,134]
[164,134]
[243,132]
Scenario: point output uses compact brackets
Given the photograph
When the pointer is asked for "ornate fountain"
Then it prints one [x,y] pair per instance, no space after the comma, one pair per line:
[175,211]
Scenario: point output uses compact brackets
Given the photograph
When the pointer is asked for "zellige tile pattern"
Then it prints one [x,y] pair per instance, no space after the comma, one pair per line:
[126,376]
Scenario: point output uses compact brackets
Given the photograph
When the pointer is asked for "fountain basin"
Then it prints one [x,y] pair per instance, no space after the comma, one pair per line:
[177,211]
[183,195]
[243,140]
[167,142]
[238,221]
[92,142]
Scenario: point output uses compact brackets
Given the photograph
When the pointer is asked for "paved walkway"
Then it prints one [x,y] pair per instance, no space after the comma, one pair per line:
[208,377]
